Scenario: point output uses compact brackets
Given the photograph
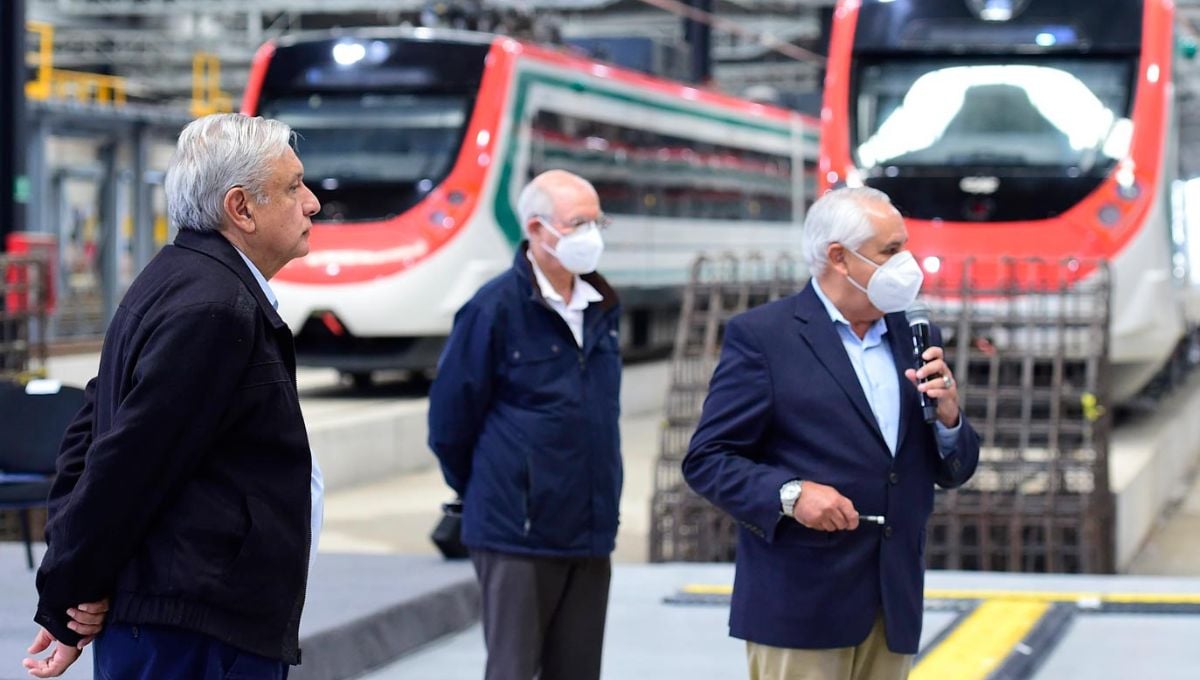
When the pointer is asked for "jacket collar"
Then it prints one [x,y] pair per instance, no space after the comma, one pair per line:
[216,246]
[524,272]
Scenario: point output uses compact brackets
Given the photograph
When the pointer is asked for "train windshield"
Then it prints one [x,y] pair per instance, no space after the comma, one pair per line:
[379,121]
[967,139]
[372,156]
[1046,113]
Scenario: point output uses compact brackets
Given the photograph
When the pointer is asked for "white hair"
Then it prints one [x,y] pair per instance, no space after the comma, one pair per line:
[533,202]
[215,154]
[840,216]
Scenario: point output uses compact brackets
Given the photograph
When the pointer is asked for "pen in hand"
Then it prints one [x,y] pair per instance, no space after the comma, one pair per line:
[875,519]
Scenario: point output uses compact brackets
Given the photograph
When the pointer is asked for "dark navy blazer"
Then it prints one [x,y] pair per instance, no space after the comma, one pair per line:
[785,403]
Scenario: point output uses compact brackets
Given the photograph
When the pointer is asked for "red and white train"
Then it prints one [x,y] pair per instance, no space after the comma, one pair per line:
[1023,128]
[417,143]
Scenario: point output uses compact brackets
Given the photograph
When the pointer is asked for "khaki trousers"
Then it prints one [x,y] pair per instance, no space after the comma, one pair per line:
[869,660]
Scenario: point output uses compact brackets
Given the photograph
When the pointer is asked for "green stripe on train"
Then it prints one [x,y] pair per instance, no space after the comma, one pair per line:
[505,212]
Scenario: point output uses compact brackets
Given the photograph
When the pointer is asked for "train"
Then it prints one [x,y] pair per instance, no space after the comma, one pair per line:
[1024,129]
[418,141]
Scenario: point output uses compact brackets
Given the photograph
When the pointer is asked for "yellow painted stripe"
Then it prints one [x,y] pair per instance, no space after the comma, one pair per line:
[1007,595]
[1050,596]
[707,589]
[982,642]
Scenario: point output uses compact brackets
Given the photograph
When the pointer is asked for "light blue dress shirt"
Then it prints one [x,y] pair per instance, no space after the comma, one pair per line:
[317,481]
[871,356]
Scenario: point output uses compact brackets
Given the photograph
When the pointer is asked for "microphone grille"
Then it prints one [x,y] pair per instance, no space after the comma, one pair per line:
[918,312]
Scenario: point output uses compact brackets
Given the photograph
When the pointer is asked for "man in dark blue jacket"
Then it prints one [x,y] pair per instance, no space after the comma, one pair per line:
[523,418]
[183,491]
[813,417]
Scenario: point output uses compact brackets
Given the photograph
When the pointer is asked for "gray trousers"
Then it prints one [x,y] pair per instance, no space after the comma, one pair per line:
[543,617]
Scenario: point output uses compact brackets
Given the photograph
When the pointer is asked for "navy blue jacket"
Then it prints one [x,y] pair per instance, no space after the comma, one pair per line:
[183,484]
[524,421]
[785,403]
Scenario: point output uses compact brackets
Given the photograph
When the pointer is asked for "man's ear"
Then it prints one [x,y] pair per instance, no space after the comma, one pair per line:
[238,211]
[835,253]
[533,226]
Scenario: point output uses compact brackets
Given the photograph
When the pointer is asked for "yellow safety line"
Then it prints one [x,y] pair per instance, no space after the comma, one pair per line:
[1007,595]
[978,645]
[1050,596]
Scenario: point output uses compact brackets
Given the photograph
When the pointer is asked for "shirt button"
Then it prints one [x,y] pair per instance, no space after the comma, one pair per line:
[893,478]
[516,355]
[554,348]
[887,532]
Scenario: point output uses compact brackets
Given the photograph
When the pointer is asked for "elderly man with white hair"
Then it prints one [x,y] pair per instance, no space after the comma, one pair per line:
[812,418]
[523,419]
[183,489]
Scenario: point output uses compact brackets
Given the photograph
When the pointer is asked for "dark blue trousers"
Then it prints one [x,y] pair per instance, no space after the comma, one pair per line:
[124,652]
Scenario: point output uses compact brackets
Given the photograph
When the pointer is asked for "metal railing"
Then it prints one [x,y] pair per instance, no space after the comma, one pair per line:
[1030,350]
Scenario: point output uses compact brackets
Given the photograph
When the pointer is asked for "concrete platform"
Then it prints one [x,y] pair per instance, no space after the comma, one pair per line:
[361,612]
[648,638]
[412,617]
[1152,464]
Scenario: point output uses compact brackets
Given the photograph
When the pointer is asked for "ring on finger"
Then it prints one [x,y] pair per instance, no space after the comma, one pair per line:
[947,381]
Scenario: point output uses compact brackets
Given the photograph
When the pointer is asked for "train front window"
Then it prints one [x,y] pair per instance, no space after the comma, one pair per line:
[1064,113]
[371,156]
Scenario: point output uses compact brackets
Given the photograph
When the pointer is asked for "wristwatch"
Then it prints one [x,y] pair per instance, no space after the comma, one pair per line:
[789,493]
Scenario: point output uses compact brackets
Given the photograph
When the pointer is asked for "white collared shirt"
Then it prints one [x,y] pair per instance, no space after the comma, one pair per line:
[582,295]
[316,480]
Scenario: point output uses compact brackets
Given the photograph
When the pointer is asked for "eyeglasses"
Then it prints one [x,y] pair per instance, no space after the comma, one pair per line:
[601,223]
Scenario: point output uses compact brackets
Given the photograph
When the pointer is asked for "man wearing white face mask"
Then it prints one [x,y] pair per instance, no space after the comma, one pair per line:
[812,418]
[523,418]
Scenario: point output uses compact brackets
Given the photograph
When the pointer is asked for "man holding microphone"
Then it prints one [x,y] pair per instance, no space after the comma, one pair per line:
[814,415]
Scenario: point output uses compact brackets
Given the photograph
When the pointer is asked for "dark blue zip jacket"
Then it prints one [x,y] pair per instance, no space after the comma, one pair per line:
[524,421]
[183,484]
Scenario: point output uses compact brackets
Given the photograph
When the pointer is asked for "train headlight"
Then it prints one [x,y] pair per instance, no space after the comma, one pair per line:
[349,53]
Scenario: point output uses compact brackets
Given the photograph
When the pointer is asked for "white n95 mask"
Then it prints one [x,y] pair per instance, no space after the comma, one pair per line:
[579,252]
[895,283]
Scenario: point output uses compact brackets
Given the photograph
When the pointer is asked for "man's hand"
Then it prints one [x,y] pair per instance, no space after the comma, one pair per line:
[60,658]
[942,387]
[821,507]
[88,620]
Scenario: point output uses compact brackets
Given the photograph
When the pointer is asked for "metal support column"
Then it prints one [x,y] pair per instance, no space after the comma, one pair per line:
[38,209]
[110,232]
[12,115]
[143,212]
[699,38]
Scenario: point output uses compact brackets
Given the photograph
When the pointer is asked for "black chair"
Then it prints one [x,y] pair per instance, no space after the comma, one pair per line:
[31,431]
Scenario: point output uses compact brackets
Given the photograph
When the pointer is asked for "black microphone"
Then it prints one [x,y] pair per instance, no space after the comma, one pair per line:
[918,321]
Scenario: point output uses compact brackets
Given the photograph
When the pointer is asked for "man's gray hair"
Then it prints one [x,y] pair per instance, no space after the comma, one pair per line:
[840,216]
[215,154]
[533,201]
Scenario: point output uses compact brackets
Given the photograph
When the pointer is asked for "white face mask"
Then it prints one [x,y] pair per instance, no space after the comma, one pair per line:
[579,252]
[895,284]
